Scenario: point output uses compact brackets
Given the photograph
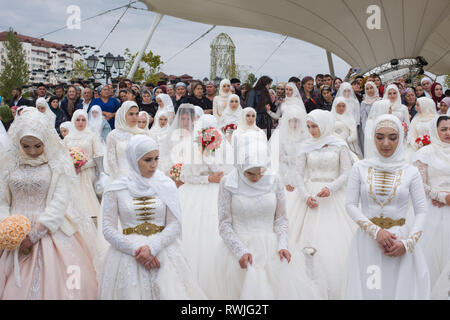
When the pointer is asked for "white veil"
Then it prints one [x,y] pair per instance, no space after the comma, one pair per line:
[346,91]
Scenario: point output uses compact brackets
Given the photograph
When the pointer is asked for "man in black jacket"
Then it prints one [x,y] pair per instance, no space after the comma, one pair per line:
[17,99]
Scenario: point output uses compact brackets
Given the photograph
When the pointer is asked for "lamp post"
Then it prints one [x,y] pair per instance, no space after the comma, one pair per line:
[108,62]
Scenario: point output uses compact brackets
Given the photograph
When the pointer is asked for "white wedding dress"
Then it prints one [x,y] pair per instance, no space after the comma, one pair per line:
[436,235]
[418,130]
[258,225]
[351,137]
[374,194]
[123,276]
[116,164]
[326,228]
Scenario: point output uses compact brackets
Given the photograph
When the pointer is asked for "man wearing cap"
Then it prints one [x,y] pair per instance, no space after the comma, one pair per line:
[108,104]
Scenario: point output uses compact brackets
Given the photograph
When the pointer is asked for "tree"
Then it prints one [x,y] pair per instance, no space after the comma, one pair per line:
[15,71]
[251,79]
[148,72]
[80,70]
[447,81]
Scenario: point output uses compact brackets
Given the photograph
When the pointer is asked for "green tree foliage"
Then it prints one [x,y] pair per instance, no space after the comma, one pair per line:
[447,81]
[148,68]
[80,70]
[15,71]
[251,79]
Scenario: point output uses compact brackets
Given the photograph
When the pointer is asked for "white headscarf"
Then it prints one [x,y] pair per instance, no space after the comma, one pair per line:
[147,117]
[74,133]
[346,91]
[120,122]
[95,124]
[347,117]
[294,101]
[139,186]
[370,100]
[379,108]
[243,127]
[167,103]
[49,114]
[437,154]
[222,98]
[250,152]
[66,124]
[395,162]
[156,128]
[229,115]
[325,122]
[208,121]
[397,105]
[289,135]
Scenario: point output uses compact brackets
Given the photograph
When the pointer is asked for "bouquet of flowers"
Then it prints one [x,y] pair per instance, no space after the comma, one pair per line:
[229,128]
[13,230]
[175,172]
[209,138]
[79,157]
[423,141]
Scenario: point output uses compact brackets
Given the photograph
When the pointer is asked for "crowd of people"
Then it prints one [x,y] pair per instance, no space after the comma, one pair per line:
[295,190]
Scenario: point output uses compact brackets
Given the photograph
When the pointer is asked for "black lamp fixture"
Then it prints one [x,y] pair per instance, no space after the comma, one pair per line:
[108,62]
[394,62]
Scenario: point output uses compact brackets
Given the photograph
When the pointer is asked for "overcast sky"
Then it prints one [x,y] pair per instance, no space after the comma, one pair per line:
[294,58]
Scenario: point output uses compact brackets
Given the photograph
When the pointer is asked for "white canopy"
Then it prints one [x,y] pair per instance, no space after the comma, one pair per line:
[409,28]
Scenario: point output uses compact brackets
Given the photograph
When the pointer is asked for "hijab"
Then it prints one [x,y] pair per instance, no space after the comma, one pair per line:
[325,122]
[48,113]
[74,133]
[397,105]
[167,102]
[437,100]
[346,117]
[288,134]
[369,100]
[95,123]
[147,117]
[229,115]
[223,97]
[120,122]
[250,152]
[346,91]
[243,127]
[139,186]
[156,128]
[295,100]
[395,162]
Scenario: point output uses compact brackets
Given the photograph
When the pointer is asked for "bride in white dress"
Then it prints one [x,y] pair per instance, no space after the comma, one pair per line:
[421,124]
[392,94]
[346,91]
[144,261]
[320,219]
[253,261]
[433,162]
[125,124]
[385,260]
[378,109]
[81,137]
[293,100]
[345,126]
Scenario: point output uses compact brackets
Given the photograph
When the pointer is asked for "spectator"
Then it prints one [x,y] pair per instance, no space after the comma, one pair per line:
[279,94]
[319,83]
[198,99]
[258,99]
[336,85]
[71,103]
[419,91]
[108,105]
[87,98]
[53,103]
[41,92]
[245,89]
[147,105]
[210,88]
[437,94]
[297,82]
[180,93]
[379,84]
[17,99]
[357,89]
[59,93]
[236,83]
[328,80]
[310,99]
[123,96]
[327,98]
[426,85]
[170,91]
[447,93]
[444,106]
[410,102]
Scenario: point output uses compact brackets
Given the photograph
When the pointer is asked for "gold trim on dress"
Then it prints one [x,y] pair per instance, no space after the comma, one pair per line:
[144,229]
[386,222]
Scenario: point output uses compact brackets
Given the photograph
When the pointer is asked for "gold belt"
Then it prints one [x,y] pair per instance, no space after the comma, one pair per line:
[387,223]
[144,229]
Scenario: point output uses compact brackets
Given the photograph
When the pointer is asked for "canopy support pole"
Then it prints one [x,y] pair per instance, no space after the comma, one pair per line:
[330,63]
[152,29]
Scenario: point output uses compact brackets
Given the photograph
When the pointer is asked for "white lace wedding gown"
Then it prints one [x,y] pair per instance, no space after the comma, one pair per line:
[436,234]
[123,276]
[377,194]
[92,146]
[116,164]
[420,129]
[343,131]
[258,225]
[327,228]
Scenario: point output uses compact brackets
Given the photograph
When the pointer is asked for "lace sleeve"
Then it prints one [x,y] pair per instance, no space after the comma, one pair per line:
[5,195]
[281,224]
[167,236]
[300,168]
[111,155]
[345,163]
[418,200]
[430,192]
[110,214]
[191,174]
[56,208]
[226,231]
[352,204]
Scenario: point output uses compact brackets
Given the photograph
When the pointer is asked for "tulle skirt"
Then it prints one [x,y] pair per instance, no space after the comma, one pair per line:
[126,279]
[87,192]
[328,229]
[200,226]
[268,278]
[57,268]
[436,242]
[374,276]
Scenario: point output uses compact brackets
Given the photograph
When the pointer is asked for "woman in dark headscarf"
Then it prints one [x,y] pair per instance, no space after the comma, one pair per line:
[259,99]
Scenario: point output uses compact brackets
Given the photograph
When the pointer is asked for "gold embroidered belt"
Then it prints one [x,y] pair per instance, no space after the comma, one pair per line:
[144,229]
[387,223]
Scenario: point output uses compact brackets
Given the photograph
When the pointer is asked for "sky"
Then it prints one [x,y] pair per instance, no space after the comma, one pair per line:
[294,58]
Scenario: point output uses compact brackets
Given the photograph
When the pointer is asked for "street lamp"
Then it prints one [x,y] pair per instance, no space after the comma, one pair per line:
[92,62]
[119,63]
[108,62]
